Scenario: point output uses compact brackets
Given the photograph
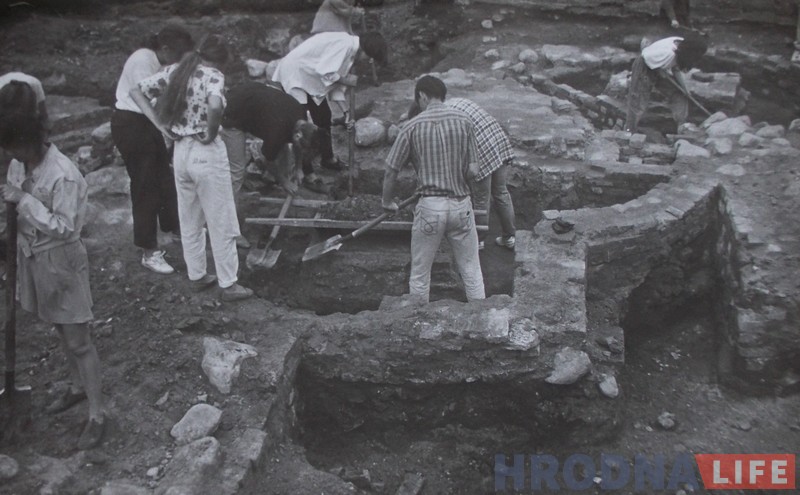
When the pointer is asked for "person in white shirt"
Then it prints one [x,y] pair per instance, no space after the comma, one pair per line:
[659,67]
[317,72]
[144,150]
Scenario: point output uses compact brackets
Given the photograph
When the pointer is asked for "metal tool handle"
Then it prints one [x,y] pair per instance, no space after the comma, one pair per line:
[689,96]
[284,208]
[11,295]
[380,218]
[351,140]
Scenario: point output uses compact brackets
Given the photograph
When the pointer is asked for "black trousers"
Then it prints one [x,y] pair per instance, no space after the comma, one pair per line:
[321,116]
[153,198]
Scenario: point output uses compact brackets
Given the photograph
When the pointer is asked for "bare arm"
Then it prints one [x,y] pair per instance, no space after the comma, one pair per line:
[389,180]
[147,109]
[215,108]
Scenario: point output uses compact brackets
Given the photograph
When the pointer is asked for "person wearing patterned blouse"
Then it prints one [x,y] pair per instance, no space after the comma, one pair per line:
[189,110]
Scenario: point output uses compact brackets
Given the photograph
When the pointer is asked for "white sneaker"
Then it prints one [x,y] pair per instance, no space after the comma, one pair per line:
[506,242]
[155,262]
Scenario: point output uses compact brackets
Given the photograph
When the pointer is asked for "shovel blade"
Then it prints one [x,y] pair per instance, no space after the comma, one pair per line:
[265,260]
[317,250]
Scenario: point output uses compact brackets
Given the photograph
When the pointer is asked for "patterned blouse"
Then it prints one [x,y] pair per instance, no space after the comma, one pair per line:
[205,82]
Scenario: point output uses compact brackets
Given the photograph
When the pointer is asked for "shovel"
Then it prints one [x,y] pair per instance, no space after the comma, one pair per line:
[689,96]
[15,402]
[335,242]
[265,257]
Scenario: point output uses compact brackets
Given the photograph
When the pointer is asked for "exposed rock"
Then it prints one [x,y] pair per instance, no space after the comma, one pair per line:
[255,68]
[518,68]
[720,146]
[412,484]
[771,131]
[200,421]
[370,132]
[101,137]
[601,150]
[492,53]
[8,467]
[123,488]
[781,142]
[750,140]
[498,17]
[270,69]
[222,361]
[456,78]
[277,40]
[191,467]
[743,425]
[732,169]
[713,119]
[500,64]
[666,421]
[523,335]
[794,126]
[721,90]
[728,127]
[109,181]
[686,152]
[608,387]
[487,24]
[296,40]
[529,56]
[153,472]
[53,473]
[570,55]
[569,366]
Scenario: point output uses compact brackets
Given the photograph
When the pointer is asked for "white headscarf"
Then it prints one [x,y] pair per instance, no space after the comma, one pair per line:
[661,53]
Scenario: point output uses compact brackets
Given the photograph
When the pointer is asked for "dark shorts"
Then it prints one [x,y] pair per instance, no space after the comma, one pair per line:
[54,284]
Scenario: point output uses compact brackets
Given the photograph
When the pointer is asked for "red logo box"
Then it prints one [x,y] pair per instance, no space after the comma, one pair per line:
[747,471]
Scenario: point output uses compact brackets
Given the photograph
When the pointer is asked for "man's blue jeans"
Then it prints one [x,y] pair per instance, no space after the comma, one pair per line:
[453,219]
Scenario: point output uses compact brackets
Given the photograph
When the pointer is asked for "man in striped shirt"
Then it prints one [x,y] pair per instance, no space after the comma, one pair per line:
[495,153]
[440,144]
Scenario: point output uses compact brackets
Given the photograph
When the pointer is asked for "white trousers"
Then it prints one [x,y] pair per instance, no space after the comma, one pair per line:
[205,197]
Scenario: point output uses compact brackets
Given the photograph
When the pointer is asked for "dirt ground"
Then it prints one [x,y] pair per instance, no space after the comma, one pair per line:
[146,325]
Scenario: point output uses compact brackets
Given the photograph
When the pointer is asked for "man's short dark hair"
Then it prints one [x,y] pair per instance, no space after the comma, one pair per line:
[431,86]
[690,51]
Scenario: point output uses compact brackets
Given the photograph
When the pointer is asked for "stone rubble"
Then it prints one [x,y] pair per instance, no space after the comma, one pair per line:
[200,421]
[8,467]
[222,361]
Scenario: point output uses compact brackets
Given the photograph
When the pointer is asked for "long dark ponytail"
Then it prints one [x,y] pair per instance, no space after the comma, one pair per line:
[173,103]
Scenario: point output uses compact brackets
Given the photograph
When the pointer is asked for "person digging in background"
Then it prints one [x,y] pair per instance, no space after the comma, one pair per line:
[440,144]
[279,121]
[678,12]
[496,154]
[336,15]
[53,267]
[659,67]
[317,72]
[189,108]
[154,200]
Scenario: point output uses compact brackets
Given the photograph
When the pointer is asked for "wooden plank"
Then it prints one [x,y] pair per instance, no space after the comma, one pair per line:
[326,223]
[305,203]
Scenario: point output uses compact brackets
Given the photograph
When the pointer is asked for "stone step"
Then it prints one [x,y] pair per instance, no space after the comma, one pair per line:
[69,113]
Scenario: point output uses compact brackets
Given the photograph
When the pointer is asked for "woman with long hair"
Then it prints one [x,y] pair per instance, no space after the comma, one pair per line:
[144,150]
[189,108]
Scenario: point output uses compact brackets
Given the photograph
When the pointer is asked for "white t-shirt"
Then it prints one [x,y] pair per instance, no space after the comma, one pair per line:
[315,66]
[661,54]
[31,81]
[142,64]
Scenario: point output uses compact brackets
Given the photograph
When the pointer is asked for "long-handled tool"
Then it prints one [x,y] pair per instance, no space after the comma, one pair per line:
[264,257]
[15,402]
[352,172]
[686,93]
[335,242]
[371,60]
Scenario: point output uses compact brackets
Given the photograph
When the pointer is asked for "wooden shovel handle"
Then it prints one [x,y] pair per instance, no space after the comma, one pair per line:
[380,218]
[11,294]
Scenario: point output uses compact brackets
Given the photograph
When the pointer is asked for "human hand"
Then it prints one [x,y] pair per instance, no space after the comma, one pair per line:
[390,207]
[11,193]
[290,187]
[206,137]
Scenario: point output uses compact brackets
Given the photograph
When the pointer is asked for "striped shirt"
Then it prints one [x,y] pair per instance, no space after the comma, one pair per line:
[440,143]
[494,148]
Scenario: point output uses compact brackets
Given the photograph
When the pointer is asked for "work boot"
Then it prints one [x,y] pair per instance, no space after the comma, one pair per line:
[332,164]
[65,401]
[156,263]
[204,282]
[236,293]
[92,435]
